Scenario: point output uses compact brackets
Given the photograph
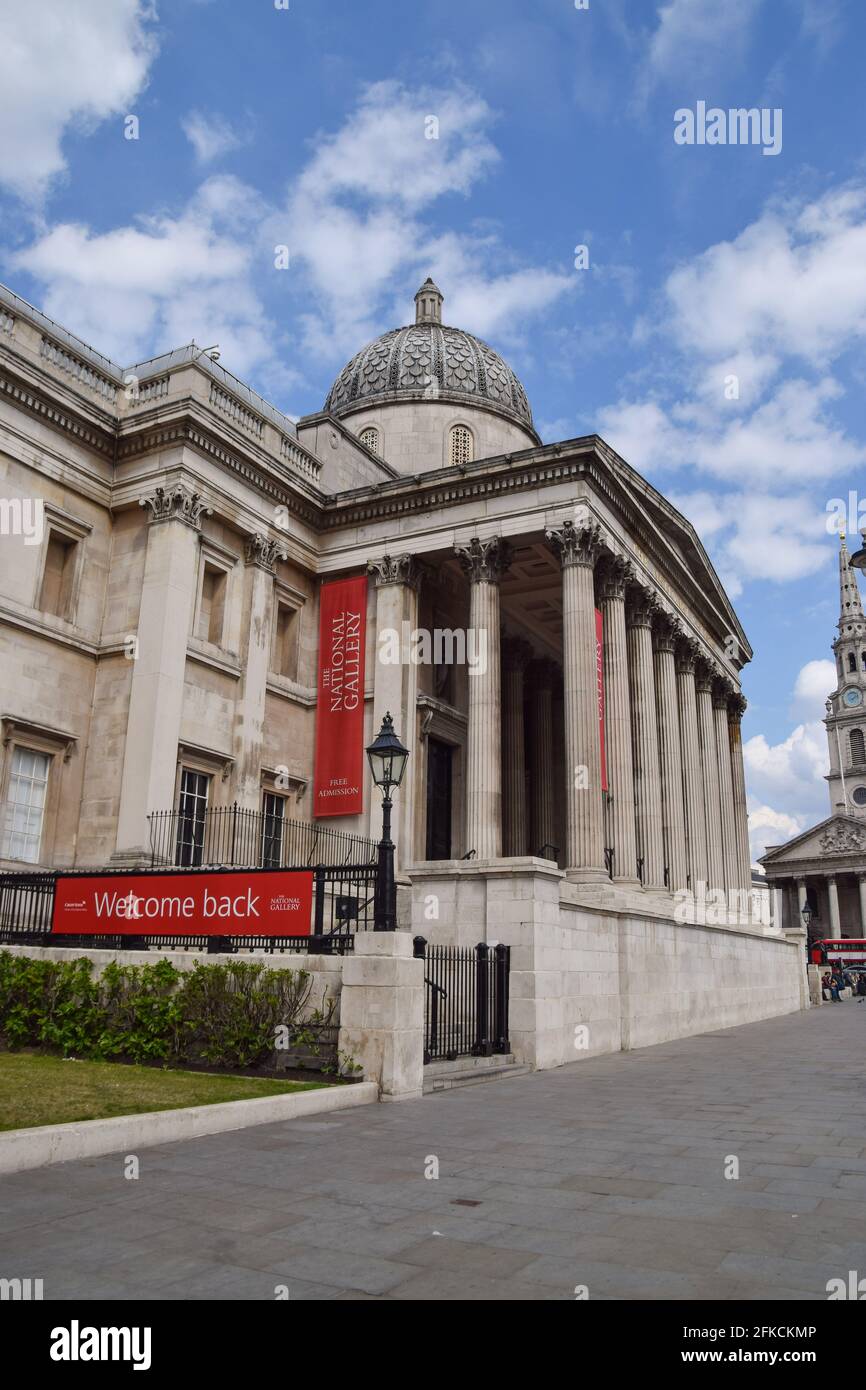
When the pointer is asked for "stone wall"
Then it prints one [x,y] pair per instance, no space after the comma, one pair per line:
[588,979]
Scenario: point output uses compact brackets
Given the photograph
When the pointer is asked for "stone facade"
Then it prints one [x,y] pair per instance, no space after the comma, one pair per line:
[158,638]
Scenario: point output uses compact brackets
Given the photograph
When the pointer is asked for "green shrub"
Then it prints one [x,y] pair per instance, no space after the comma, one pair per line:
[227,1015]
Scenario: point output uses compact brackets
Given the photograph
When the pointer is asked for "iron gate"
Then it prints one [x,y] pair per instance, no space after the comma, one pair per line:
[465,1000]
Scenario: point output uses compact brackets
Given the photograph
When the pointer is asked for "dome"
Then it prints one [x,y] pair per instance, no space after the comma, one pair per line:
[429,360]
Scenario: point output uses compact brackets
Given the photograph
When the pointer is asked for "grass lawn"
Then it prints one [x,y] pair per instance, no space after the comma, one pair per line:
[43,1090]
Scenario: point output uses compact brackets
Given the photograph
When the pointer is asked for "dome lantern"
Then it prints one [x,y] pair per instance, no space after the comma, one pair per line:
[428,303]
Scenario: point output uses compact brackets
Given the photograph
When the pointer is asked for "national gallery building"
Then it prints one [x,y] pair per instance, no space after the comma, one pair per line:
[545,628]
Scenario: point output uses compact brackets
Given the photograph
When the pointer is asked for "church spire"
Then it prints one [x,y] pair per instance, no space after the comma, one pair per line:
[850,603]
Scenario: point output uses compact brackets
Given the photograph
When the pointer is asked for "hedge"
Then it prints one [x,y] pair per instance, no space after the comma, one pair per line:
[227,1015]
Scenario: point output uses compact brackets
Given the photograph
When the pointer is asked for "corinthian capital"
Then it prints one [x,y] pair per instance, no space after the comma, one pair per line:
[259,550]
[577,544]
[395,569]
[615,575]
[736,708]
[666,632]
[643,607]
[176,503]
[484,560]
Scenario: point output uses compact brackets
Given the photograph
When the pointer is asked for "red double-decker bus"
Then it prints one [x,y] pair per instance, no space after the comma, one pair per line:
[845,950]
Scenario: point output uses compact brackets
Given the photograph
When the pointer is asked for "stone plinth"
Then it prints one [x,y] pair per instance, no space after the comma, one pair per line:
[382,1013]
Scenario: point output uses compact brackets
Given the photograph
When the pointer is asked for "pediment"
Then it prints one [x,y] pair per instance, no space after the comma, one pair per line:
[835,838]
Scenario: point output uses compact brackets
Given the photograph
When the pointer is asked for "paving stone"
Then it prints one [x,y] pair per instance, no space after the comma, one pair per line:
[606,1172]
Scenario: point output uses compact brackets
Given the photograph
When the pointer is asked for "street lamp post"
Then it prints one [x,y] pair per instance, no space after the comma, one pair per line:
[387,758]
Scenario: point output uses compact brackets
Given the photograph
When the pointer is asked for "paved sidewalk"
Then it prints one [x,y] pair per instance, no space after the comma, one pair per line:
[606,1173]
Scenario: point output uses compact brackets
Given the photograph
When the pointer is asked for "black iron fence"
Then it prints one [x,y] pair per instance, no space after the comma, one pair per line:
[241,838]
[343,904]
[465,1000]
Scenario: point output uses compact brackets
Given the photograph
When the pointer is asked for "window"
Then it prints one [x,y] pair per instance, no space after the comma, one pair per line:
[370,439]
[863,659]
[860,796]
[25,805]
[58,575]
[858,746]
[285,658]
[212,603]
[192,817]
[460,445]
[852,662]
[273,825]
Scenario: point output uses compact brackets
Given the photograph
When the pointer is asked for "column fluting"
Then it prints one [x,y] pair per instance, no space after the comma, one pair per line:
[579,546]
[693,788]
[665,634]
[736,710]
[640,611]
[484,562]
[614,576]
[721,694]
[705,676]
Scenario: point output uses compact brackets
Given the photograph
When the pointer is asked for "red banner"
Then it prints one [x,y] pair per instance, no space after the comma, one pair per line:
[339,773]
[200,904]
[599,664]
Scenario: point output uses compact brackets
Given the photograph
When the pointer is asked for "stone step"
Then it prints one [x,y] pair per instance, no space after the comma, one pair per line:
[469,1071]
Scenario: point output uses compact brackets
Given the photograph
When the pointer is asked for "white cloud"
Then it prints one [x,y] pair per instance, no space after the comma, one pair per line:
[356,221]
[786,780]
[157,284]
[210,135]
[774,308]
[690,37]
[65,65]
[793,283]
[789,775]
[769,827]
[815,682]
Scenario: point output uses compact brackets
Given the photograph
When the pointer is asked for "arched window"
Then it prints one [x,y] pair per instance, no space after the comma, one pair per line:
[370,439]
[460,448]
[852,662]
[858,747]
[863,659]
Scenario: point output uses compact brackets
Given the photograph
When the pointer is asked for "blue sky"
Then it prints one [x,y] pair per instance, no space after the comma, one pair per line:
[305,127]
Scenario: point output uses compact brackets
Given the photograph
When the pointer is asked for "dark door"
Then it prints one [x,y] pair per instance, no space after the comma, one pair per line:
[438,799]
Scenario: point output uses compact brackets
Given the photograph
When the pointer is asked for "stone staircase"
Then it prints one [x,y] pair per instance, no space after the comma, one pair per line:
[470,1071]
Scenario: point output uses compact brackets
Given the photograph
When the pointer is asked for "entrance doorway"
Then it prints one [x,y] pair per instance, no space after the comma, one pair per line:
[439,784]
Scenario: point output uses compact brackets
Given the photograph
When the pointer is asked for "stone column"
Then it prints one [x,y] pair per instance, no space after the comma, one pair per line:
[484,561]
[578,547]
[156,697]
[248,736]
[665,634]
[861,884]
[736,710]
[515,828]
[641,609]
[693,788]
[833,896]
[615,574]
[802,899]
[395,687]
[710,777]
[541,675]
[721,695]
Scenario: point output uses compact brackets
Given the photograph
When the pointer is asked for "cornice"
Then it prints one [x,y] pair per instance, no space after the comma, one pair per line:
[37,402]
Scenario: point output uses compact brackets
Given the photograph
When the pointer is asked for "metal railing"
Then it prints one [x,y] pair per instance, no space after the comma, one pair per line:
[343,904]
[241,838]
[466,991]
